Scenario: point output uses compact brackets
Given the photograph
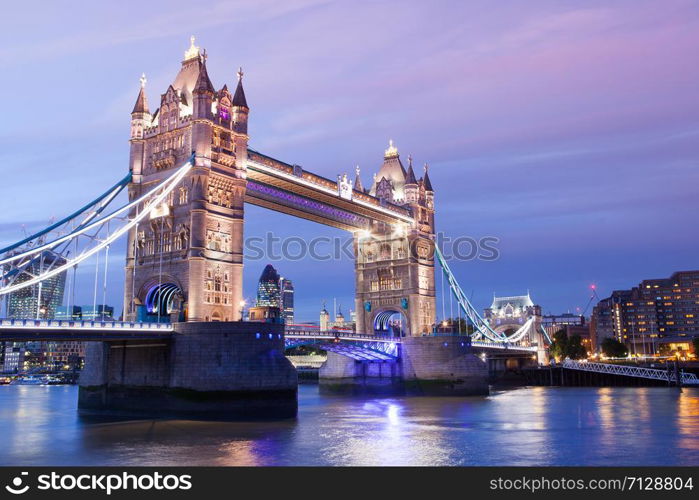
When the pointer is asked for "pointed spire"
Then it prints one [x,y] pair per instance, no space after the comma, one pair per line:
[203,82]
[239,96]
[141,105]
[410,177]
[428,184]
[358,181]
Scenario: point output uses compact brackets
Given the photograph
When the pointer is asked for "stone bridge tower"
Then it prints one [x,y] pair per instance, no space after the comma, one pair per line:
[395,279]
[186,259]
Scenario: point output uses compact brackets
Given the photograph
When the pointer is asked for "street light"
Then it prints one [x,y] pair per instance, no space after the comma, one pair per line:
[242,308]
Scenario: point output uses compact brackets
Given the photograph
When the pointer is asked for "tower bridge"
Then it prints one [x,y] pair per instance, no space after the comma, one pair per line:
[191,173]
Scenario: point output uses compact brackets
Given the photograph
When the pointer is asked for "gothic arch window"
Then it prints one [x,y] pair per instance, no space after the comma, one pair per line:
[385,251]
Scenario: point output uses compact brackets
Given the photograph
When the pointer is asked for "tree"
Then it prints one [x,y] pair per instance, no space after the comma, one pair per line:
[612,348]
[695,344]
[575,349]
[559,347]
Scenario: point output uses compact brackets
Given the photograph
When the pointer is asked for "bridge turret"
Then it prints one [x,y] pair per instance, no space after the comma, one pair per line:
[140,120]
[240,106]
[203,92]
[202,126]
[411,187]
[429,191]
[358,186]
[240,126]
[324,319]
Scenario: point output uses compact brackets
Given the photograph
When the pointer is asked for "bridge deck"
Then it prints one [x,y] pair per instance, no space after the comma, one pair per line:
[28,330]
[360,345]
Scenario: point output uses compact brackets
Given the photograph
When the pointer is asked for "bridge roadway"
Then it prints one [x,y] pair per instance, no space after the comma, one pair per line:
[29,330]
[360,346]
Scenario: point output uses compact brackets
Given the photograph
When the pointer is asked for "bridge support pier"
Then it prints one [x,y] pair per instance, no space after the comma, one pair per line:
[427,366]
[347,375]
[216,371]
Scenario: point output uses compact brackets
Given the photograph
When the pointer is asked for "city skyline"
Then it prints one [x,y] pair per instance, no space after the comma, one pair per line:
[588,187]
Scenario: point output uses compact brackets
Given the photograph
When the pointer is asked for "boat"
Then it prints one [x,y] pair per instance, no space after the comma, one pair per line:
[30,380]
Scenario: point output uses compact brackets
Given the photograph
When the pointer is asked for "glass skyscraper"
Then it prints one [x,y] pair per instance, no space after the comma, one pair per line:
[276,291]
[286,304]
[268,292]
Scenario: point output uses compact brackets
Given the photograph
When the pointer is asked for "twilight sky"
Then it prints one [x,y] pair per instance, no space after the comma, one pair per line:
[568,130]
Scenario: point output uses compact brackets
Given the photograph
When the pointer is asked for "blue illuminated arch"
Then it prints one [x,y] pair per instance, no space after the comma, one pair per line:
[159,298]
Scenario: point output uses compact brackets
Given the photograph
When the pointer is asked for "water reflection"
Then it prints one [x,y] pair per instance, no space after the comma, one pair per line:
[688,420]
[532,426]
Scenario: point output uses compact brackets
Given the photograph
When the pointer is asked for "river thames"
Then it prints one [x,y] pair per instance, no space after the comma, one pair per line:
[530,426]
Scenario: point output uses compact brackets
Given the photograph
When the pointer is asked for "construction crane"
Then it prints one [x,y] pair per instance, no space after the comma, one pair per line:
[593,296]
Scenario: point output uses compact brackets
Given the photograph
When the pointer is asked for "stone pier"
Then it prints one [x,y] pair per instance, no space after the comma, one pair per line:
[226,371]
[442,366]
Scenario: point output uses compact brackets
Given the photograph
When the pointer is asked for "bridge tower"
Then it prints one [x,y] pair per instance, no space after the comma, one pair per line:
[394,265]
[508,314]
[186,259]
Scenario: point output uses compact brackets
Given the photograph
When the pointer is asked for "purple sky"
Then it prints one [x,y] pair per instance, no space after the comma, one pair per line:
[569,130]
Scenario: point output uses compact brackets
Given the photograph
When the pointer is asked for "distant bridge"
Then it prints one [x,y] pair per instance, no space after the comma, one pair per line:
[369,347]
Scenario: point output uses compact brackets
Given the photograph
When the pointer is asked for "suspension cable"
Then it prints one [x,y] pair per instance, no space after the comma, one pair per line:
[160,270]
[109,195]
[443,310]
[166,187]
[104,286]
[157,199]
[94,296]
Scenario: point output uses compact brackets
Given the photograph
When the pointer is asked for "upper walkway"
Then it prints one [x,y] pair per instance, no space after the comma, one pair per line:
[290,189]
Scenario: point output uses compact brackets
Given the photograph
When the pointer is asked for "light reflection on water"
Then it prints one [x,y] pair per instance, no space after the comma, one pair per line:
[532,426]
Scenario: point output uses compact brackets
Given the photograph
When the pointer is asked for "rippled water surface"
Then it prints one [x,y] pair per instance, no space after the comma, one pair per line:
[531,426]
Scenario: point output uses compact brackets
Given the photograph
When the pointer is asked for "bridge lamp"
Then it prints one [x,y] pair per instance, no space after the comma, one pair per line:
[363,234]
[399,231]
[242,308]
